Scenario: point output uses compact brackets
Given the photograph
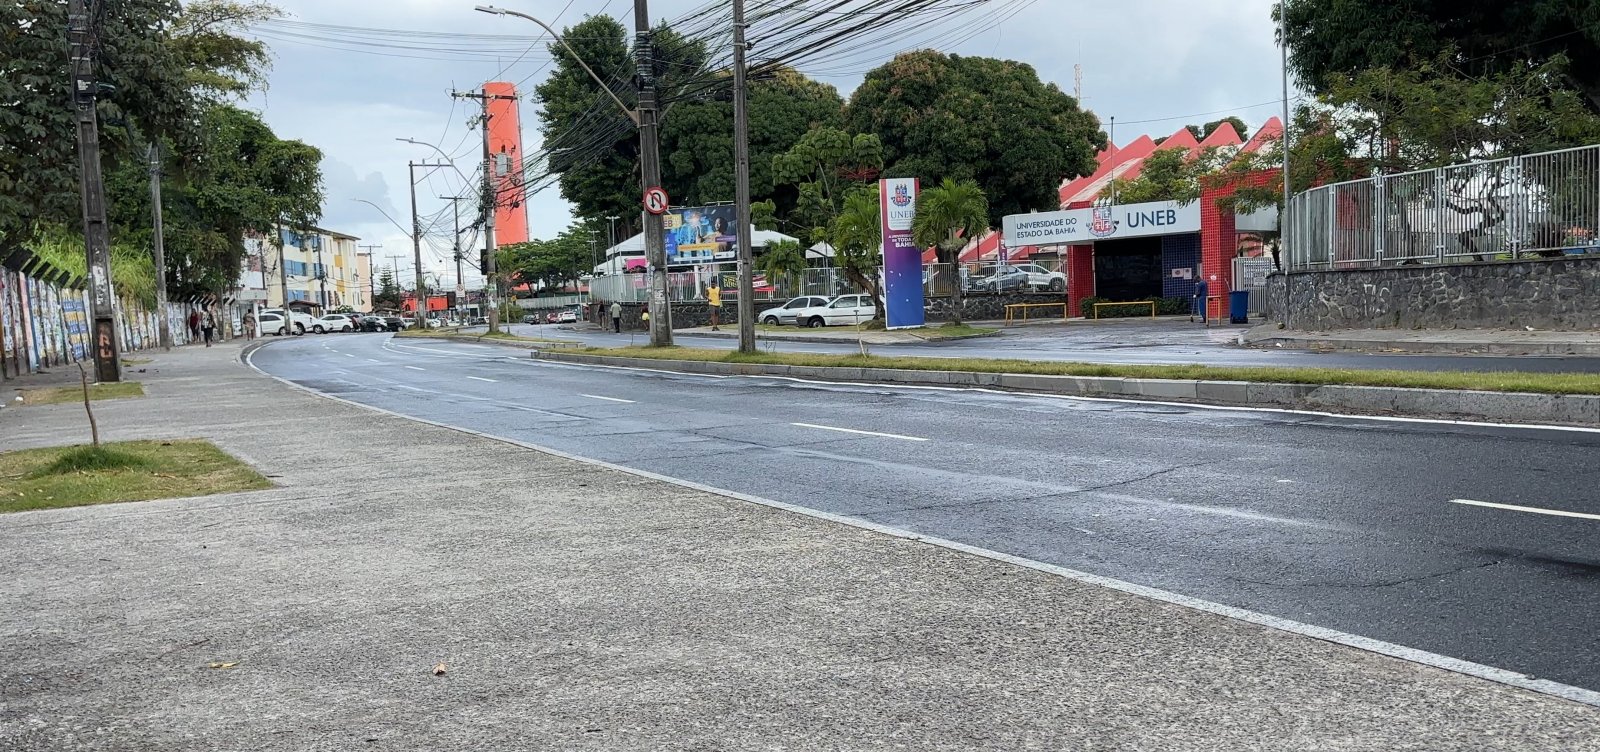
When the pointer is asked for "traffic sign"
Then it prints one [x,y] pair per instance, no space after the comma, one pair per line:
[655,200]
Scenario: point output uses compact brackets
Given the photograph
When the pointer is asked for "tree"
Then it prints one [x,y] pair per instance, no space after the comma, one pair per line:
[784,260]
[948,216]
[857,237]
[1331,40]
[388,295]
[1168,175]
[566,258]
[829,168]
[1203,132]
[981,119]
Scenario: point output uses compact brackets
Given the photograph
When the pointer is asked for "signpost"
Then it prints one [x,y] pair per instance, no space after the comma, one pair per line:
[655,201]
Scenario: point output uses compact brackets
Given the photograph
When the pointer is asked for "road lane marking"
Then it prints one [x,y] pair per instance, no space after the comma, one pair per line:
[479,378]
[1535,510]
[348,355]
[414,368]
[373,360]
[1402,652]
[608,399]
[863,433]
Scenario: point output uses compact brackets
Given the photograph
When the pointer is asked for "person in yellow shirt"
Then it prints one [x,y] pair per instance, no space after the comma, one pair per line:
[714,299]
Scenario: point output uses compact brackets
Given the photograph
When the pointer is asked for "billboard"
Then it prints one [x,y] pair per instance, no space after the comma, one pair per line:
[902,259]
[1100,223]
[700,235]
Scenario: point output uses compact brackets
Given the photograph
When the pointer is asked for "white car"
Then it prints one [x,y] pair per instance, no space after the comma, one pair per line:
[843,310]
[299,322]
[785,314]
[1040,278]
[333,322]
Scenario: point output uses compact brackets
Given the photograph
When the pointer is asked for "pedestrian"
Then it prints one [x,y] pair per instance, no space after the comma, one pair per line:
[616,317]
[194,325]
[1201,296]
[645,317]
[208,326]
[714,300]
[249,325]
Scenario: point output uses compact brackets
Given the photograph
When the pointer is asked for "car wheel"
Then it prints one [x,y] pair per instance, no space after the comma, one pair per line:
[283,331]
[816,322]
[299,330]
[318,329]
[347,328]
[1057,285]
[770,321]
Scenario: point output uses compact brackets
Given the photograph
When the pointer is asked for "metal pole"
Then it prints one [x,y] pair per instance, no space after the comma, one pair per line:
[650,177]
[163,329]
[96,236]
[1288,191]
[420,310]
[741,176]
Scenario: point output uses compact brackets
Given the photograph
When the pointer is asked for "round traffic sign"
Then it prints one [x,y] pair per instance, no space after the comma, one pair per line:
[655,200]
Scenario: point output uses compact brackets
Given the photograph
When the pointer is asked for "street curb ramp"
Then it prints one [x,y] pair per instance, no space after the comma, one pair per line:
[1497,407]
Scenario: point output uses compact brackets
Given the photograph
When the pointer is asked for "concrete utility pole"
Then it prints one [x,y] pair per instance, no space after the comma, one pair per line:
[420,310]
[373,282]
[164,330]
[461,284]
[655,248]
[96,236]
[283,276]
[491,196]
[741,176]
[322,277]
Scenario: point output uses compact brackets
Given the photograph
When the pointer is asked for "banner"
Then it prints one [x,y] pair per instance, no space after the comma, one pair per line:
[1100,223]
[902,259]
[700,235]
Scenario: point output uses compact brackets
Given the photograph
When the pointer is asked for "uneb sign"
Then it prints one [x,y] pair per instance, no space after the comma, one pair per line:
[1100,223]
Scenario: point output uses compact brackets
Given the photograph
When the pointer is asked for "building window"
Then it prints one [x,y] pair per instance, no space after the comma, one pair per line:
[295,268]
[299,295]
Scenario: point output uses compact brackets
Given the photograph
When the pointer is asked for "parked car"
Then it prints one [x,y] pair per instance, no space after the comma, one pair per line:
[1040,278]
[299,322]
[532,318]
[270,323]
[551,317]
[785,314]
[998,279]
[845,309]
[333,322]
[478,321]
[370,323]
[567,316]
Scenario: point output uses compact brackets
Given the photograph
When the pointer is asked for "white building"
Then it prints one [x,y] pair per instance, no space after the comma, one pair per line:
[321,269]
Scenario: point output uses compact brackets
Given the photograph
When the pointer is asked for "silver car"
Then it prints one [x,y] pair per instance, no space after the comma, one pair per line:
[784,315]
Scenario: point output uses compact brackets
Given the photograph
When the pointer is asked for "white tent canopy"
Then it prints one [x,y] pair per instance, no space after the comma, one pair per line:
[617,255]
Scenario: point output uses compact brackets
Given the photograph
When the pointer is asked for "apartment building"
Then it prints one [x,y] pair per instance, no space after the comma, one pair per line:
[320,268]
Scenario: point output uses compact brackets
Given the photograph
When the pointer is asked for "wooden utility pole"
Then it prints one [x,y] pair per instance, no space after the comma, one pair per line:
[163,328]
[741,173]
[96,235]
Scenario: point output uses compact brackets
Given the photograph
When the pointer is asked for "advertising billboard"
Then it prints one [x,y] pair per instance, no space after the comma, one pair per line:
[902,259]
[700,235]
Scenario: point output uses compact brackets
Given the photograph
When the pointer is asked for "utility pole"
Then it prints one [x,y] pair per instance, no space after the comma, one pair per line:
[490,204]
[283,275]
[461,284]
[394,273]
[96,236]
[420,310]
[164,331]
[655,249]
[322,277]
[741,176]
[373,282]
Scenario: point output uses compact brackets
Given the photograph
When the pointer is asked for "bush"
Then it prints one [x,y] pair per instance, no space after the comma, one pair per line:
[1164,307]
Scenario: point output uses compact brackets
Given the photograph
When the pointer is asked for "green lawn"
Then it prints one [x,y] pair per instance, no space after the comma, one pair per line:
[59,394]
[1539,383]
[122,471]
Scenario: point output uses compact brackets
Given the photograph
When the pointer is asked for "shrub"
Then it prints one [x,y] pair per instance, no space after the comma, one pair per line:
[1164,307]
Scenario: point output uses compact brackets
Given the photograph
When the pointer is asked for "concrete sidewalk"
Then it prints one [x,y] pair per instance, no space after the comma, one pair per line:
[583,608]
[1431,341]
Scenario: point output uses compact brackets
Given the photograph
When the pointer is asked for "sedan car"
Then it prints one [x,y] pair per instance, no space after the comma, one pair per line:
[333,322]
[845,309]
[785,314]
[998,279]
[568,316]
[1040,278]
[371,323]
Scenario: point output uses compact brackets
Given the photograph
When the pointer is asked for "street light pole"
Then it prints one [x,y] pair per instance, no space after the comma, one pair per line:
[741,173]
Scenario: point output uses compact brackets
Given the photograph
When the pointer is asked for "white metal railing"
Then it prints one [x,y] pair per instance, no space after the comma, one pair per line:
[1518,207]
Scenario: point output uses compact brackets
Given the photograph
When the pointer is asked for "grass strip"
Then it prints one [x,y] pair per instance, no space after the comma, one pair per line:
[1512,381]
[123,471]
[60,394]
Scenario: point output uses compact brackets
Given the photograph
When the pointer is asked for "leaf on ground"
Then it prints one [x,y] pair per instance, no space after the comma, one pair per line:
[439,669]
[219,664]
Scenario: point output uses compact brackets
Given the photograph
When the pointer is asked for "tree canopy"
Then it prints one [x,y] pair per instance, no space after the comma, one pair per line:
[562,259]
[981,119]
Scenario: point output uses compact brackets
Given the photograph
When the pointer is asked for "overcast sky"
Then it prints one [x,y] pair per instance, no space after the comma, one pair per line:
[1168,61]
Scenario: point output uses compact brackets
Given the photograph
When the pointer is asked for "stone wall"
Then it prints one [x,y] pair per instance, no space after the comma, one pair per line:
[1552,294]
[991,306]
[978,307]
[684,315]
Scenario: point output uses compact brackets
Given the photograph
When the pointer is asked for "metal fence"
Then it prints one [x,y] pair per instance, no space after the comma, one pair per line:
[1538,205]
[938,281]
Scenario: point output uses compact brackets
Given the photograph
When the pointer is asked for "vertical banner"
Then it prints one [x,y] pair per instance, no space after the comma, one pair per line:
[902,260]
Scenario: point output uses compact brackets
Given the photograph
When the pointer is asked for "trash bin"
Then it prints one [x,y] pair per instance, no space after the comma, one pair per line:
[1239,307]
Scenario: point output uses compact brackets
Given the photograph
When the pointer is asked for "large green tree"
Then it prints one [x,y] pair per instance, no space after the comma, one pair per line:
[560,260]
[1330,40]
[834,173]
[981,119]
[949,215]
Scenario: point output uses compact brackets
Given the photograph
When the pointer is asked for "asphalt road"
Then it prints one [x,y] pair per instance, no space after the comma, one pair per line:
[1135,344]
[1349,524]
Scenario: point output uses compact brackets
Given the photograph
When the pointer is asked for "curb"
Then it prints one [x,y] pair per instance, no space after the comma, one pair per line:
[830,340]
[484,340]
[1430,348]
[1516,408]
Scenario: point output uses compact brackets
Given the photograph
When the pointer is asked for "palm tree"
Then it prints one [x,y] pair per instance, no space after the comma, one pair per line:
[857,239]
[785,260]
[948,216]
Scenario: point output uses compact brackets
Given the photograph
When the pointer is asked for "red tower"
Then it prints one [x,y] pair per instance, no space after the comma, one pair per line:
[505,163]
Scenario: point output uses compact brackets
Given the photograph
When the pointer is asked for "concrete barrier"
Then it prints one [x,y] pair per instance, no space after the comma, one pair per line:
[1498,407]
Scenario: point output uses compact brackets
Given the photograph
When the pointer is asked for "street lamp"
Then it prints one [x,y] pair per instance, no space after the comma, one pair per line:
[644,119]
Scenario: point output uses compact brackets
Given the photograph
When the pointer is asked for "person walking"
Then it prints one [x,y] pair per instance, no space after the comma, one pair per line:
[1202,294]
[194,325]
[714,300]
[249,325]
[616,317]
[208,326]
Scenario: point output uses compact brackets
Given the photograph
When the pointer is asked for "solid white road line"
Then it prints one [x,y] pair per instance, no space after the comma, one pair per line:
[414,368]
[479,378]
[348,355]
[863,433]
[608,399]
[1535,510]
